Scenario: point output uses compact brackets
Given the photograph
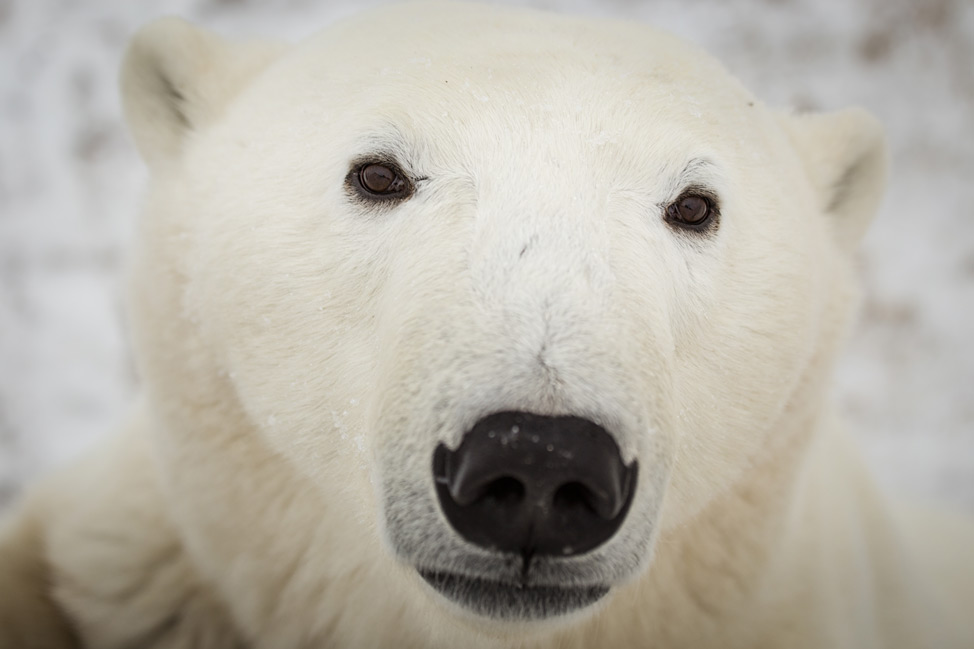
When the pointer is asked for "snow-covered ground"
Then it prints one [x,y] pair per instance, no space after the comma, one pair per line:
[70,185]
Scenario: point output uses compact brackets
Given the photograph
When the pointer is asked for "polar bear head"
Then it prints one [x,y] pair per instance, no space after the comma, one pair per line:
[505,295]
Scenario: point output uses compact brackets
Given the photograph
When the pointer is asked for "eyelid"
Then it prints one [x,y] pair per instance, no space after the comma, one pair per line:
[699,190]
[694,190]
[379,157]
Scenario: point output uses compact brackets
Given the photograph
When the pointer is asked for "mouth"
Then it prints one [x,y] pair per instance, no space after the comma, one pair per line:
[506,601]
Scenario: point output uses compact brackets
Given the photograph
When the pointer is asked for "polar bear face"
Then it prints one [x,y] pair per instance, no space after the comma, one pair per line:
[512,293]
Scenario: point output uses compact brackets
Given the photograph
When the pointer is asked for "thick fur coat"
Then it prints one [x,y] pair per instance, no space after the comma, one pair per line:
[304,346]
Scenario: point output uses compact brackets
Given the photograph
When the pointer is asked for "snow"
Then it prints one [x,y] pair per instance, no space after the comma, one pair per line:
[70,186]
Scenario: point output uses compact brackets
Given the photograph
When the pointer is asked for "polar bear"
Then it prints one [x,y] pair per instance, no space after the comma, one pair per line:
[466,326]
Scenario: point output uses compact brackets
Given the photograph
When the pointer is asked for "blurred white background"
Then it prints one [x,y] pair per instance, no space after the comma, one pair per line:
[70,186]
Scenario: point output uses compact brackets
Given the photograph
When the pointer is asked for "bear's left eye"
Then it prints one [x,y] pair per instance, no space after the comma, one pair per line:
[691,211]
[379,181]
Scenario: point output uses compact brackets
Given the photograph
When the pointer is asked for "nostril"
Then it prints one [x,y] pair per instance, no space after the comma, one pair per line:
[573,497]
[506,491]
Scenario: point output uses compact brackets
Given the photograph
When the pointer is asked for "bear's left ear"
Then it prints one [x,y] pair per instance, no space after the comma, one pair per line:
[177,78]
[844,154]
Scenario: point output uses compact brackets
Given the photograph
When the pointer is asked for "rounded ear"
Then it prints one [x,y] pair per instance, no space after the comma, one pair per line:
[845,157]
[177,78]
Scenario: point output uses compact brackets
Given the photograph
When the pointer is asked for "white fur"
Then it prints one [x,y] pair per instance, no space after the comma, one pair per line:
[303,353]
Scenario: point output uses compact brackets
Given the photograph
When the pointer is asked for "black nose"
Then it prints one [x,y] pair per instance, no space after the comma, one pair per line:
[535,485]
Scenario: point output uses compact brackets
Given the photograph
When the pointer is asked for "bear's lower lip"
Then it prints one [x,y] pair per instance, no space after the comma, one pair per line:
[501,601]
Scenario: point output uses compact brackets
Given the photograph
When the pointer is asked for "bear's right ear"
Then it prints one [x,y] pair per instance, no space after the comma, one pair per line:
[177,78]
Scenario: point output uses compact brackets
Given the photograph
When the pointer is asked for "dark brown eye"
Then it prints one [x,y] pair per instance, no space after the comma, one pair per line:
[691,211]
[380,180]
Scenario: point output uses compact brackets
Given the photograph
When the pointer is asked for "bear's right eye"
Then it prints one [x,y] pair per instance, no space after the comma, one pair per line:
[379,181]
